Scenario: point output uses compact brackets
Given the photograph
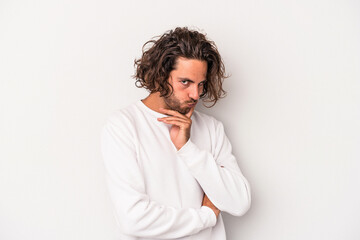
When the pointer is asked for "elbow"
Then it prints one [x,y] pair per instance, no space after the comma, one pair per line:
[244,201]
[140,221]
[242,207]
[131,230]
[128,227]
[130,222]
[134,226]
[241,204]
[236,207]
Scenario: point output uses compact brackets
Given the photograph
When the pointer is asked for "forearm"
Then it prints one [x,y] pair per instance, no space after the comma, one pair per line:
[222,182]
[139,216]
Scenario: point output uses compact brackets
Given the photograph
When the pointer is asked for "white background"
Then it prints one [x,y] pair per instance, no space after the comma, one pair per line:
[292,112]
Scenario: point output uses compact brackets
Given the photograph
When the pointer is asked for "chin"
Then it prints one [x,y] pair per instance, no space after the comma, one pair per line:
[184,110]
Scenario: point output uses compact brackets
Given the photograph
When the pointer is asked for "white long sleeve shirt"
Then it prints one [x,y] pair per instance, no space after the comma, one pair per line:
[157,190]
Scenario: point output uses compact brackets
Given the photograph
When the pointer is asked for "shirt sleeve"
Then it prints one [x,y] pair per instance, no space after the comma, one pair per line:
[218,173]
[137,215]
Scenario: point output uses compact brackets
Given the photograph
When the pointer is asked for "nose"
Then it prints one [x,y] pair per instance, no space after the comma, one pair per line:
[194,93]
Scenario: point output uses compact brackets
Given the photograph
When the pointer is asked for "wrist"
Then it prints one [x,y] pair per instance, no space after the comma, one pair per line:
[181,145]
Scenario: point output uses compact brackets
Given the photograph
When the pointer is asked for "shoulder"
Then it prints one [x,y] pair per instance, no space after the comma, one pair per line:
[118,134]
[121,120]
[206,119]
[214,126]
[123,115]
[209,126]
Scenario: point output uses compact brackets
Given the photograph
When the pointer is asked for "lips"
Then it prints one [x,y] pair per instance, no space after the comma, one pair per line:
[191,105]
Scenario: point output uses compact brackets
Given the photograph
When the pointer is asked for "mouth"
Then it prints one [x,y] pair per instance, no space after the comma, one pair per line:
[191,105]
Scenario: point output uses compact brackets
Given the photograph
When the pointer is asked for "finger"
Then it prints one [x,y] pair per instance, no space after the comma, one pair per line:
[203,200]
[182,125]
[171,112]
[174,119]
[189,114]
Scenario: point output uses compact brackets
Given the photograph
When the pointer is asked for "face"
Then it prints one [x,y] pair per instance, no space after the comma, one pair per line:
[187,80]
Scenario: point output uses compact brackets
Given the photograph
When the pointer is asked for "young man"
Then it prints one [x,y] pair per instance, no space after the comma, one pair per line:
[170,170]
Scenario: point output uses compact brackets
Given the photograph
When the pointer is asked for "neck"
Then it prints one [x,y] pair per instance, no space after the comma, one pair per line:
[154,102]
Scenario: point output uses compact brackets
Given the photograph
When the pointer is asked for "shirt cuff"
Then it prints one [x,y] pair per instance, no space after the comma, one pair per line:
[187,149]
[193,157]
[207,216]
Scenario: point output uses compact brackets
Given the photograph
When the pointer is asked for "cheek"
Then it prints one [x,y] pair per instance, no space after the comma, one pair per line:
[179,91]
[179,87]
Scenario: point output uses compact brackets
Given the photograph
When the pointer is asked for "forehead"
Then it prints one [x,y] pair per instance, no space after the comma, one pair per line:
[190,68]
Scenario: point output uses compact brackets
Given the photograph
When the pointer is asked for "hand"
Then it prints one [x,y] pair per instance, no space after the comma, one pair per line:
[181,126]
[206,202]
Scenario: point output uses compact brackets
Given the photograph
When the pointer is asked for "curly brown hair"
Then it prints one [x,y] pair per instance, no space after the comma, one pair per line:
[158,60]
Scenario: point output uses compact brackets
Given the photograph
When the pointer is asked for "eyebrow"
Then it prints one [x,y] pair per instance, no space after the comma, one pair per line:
[189,80]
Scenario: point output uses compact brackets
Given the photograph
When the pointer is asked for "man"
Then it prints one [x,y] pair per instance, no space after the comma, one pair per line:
[169,168]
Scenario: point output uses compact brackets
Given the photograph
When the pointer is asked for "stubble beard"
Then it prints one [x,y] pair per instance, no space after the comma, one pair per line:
[174,104]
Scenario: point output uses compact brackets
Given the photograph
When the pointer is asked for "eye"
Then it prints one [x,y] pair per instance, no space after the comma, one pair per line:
[185,82]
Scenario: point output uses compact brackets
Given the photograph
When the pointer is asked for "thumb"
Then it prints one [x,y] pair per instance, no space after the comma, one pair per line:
[189,114]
